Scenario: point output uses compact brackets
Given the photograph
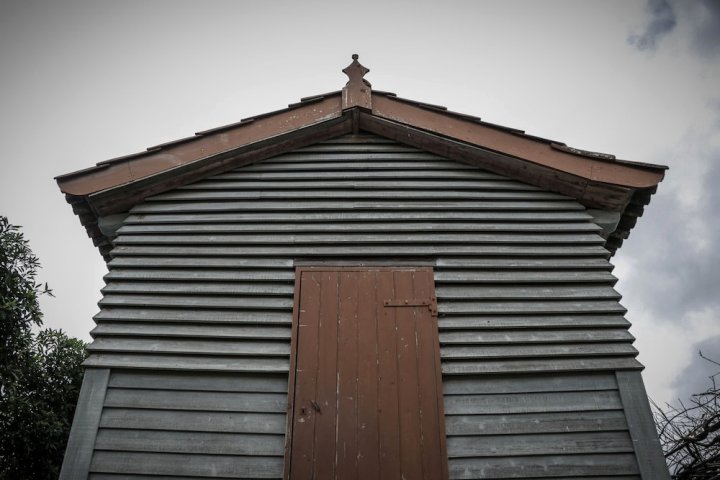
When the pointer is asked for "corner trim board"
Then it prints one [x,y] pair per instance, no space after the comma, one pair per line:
[646,444]
[79,451]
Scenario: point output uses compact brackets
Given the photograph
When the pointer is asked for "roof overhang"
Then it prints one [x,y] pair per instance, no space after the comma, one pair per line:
[598,181]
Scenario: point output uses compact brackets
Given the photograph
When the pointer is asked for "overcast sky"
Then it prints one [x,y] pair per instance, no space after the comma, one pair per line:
[85,81]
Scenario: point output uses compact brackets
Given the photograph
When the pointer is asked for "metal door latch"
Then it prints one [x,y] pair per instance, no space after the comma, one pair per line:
[430,303]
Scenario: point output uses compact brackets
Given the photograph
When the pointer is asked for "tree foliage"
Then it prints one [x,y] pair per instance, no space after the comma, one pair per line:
[40,374]
[690,434]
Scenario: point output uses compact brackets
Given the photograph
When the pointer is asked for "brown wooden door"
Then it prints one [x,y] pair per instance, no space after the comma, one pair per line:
[365,383]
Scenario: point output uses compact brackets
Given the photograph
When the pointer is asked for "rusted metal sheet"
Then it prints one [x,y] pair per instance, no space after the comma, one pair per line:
[366,387]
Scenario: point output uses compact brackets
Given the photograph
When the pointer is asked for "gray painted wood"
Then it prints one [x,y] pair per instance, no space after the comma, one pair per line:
[315,205]
[359,226]
[196,313]
[344,252]
[539,365]
[510,322]
[209,363]
[241,347]
[539,444]
[171,464]
[200,381]
[137,329]
[469,352]
[200,421]
[81,441]
[562,422]
[642,427]
[249,444]
[535,336]
[556,382]
[355,216]
[531,402]
[192,400]
[360,238]
[548,466]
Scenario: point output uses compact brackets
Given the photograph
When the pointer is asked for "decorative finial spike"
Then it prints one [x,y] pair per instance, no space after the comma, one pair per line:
[357,91]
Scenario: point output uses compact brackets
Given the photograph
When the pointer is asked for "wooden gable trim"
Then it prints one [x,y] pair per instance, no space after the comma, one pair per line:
[515,145]
[206,146]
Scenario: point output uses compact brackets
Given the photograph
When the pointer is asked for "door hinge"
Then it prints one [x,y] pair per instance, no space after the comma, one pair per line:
[430,303]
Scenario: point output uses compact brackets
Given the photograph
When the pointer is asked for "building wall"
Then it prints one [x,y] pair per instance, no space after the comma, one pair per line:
[196,315]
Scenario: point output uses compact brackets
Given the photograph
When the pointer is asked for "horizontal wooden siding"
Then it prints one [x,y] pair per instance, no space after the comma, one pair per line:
[201,281]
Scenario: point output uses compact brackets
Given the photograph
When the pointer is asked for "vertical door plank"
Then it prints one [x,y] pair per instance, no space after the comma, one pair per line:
[432,420]
[347,376]
[389,431]
[302,458]
[327,389]
[410,449]
[368,378]
[367,400]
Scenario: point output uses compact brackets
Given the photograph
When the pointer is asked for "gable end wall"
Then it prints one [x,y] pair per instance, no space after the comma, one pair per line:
[196,316]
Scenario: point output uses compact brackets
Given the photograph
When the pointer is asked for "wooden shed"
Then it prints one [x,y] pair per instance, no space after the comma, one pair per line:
[361,286]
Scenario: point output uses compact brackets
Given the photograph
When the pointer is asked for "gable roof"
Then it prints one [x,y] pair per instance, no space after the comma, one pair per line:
[598,181]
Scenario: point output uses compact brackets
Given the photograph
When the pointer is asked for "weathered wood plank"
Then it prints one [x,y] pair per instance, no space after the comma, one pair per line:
[519,276]
[577,335]
[538,444]
[540,350]
[358,226]
[201,262]
[484,292]
[249,303]
[561,422]
[232,466]
[342,164]
[352,194]
[506,322]
[544,466]
[360,238]
[200,381]
[79,450]
[481,183]
[530,307]
[196,315]
[356,216]
[531,402]
[529,383]
[192,400]
[214,363]
[137,329]
[539,365]
[642,427]
[444,264]
[198,421]
[208,274]
[358,251]
[239,347]
[379,204]
[199,288]
[189,442]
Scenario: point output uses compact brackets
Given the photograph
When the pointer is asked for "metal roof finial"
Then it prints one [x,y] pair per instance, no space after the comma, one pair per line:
[357,91]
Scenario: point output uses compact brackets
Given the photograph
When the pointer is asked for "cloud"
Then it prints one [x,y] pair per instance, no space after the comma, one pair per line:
[706,35]
[676,240]
[695,378]
[696,21]
[662,22]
